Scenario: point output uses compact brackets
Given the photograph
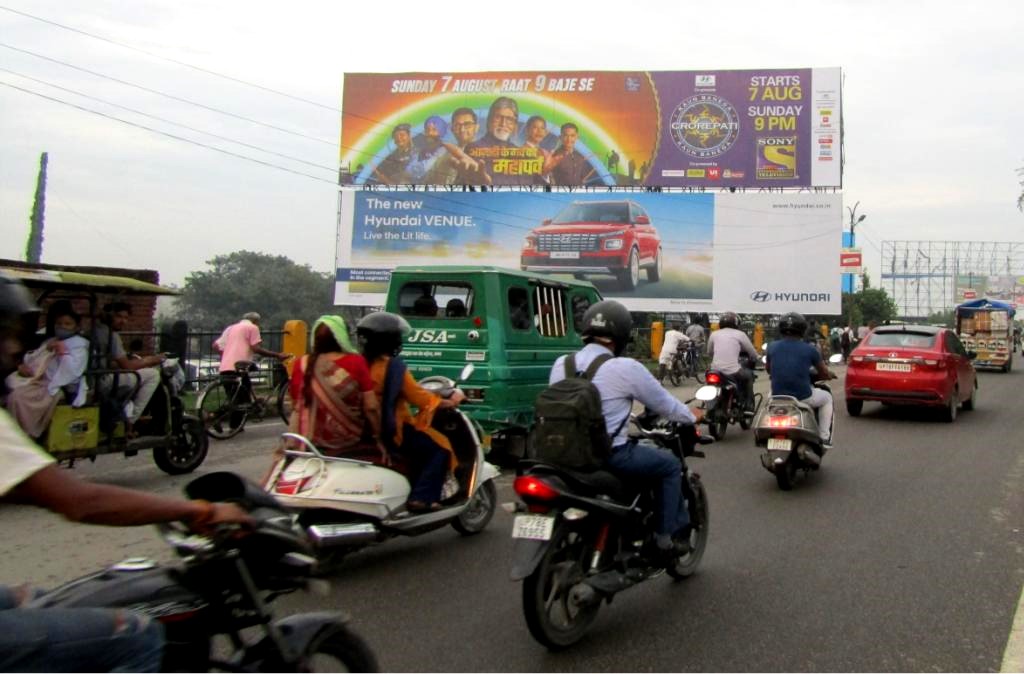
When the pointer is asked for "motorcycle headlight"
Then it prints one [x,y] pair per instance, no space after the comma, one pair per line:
[613,244]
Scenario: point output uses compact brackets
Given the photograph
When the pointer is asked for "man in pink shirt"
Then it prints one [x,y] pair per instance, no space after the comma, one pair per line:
[240,341]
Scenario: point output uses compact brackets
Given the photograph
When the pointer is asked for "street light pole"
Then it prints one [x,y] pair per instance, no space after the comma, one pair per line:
[854,221]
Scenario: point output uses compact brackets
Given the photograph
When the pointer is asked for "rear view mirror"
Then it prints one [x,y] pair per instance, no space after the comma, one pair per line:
[707,393]
[466,372]
[764,347]
[835,358]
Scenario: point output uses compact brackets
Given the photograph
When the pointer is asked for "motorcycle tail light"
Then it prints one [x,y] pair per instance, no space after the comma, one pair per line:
[713,378]
[533,488]
[784,422]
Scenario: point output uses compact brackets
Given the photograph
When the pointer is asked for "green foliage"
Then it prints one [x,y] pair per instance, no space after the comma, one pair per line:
[34,247]
[946,318]
[272,285]
[870,304]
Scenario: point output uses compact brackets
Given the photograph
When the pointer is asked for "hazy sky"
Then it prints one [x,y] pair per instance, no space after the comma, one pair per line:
[933,105]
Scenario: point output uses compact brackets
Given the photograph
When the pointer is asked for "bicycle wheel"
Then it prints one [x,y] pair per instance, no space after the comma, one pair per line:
[284,402]
[218,411]
[675,372]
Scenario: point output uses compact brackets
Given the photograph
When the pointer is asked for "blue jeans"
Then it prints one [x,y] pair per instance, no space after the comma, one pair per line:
[642,460]
[76,639]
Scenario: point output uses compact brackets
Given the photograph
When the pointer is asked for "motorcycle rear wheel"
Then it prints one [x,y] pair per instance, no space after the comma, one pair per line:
[785,474]
[551,616]
[718,425]
[700,523]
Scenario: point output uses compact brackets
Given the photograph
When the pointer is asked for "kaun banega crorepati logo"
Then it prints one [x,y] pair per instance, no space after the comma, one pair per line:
[704,125]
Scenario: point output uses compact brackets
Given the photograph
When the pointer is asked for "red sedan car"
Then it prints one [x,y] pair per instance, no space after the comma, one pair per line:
[912,364]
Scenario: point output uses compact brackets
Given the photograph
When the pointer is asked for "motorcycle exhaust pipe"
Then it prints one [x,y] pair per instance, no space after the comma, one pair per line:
[334,535]
[810,456]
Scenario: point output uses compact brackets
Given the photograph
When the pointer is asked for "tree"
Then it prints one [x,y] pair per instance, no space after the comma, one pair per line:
[870,304]
[272,285]
[34,247]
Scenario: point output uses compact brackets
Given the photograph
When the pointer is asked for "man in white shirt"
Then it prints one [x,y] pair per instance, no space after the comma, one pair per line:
[673,339]
[725,346]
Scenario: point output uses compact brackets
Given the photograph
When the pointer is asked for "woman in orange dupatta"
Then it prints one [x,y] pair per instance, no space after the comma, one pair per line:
[426,452]
[334,404]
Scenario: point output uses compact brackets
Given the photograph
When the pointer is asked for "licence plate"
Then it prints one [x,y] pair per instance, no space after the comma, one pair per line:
[565,255]
[534,527]
[780,443]
[893,367]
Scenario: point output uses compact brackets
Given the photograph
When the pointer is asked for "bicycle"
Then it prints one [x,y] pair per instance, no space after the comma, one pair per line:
[687,361]
[226,404]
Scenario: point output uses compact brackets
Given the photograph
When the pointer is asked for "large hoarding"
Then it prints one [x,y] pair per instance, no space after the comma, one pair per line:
[753,253]
[709,128]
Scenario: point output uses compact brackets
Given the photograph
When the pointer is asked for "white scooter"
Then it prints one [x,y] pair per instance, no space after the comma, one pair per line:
[347,504]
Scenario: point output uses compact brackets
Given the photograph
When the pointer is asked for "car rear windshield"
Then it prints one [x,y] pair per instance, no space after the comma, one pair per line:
[593,212]
[909,340]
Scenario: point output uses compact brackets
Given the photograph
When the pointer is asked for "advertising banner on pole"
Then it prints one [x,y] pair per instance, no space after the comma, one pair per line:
[713,128]
[750,253]
[851,261]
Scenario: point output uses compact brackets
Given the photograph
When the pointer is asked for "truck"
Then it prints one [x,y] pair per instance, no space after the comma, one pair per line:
[985,326]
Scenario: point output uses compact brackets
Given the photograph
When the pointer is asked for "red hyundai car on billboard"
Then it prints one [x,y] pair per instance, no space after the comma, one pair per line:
[596,237]
[912,364]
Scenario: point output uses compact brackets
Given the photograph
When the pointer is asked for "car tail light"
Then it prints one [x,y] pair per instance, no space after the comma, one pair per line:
[534,488]
[713,378]
[856,359]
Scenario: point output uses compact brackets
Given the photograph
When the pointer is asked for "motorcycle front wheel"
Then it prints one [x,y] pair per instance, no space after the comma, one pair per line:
[335,649]
[700,522]
[553,617]
[479,511]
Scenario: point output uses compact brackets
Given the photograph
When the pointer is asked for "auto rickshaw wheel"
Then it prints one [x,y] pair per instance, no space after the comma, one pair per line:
[187,451]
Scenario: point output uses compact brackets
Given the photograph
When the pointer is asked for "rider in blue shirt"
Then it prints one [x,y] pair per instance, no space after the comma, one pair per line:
[790,362]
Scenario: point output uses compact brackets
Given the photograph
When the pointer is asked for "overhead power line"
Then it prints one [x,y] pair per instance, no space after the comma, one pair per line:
[169,60]
[168,121]
[166,95]
[165,133]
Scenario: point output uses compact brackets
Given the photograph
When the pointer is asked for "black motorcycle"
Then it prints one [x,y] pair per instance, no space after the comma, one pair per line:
[718,398]
[582,537]
[223,586]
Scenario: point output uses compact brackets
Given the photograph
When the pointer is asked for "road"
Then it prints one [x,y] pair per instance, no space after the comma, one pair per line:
[904,553]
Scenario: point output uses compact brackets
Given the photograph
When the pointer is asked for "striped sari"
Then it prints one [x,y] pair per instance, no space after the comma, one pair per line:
[334,420]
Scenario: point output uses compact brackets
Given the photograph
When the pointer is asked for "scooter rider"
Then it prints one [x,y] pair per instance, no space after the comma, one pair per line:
[725,346]
[76,640]
[789,363]
[606,329]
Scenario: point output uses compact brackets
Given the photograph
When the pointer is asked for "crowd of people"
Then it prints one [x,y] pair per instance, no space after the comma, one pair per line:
[504,152]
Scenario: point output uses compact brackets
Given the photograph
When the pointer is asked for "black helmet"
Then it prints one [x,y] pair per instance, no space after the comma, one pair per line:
[381,333]
[610,319]
[729,320]
[793,324]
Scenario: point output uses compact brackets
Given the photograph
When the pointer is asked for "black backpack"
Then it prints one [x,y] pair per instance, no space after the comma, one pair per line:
[569,427]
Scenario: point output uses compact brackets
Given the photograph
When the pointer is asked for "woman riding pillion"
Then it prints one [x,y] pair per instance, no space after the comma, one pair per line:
[426,453]
[332,393]
[620,381]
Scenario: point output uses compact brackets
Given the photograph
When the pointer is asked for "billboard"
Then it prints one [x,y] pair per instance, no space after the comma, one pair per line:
[751,253]
[709,128]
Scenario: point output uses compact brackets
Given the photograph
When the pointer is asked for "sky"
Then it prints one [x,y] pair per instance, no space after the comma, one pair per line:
[933,100]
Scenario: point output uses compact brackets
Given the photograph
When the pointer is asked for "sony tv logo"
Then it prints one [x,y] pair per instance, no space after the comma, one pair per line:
[762,296]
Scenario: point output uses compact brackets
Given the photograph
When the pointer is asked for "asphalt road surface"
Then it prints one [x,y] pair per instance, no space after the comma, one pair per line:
[904,553]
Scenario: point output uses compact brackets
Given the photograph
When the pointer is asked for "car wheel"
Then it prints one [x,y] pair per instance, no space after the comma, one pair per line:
[629,277]
[854,407]
[949,414]
[654,272]
[970,402]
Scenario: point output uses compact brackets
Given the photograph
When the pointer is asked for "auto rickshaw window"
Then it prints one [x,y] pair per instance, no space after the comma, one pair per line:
[552,317]
[436,300]
[580,304]
[519,313]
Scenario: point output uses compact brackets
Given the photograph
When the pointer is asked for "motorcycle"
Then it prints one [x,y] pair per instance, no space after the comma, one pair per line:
[582,537]
[788,432]
[346,504]
[222,586]
[718,398]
